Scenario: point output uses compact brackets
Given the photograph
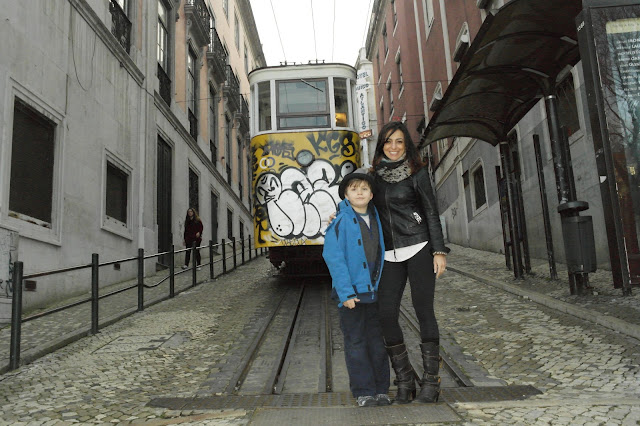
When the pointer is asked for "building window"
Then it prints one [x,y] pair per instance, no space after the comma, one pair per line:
[264,106]
[230,224]
[390,93]
[32,166]
[429,14]
[341,101]
[213,124]
[241,225]
[227,147]
[378,66]
[400,78]
[163,53]
[236,29]
[194,189]
[163,36]
[240,168]
[192,94]
[225,8]
[117,193]
[120,24]
[395,13]
[385,41]
[303,103]
[478,188]
[246,60]
[567,105]
[214,217]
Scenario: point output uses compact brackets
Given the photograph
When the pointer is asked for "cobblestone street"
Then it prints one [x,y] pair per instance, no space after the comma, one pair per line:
[587,373]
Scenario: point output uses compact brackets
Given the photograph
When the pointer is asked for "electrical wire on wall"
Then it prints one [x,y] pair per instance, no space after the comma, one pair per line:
[313,26]
[73,52]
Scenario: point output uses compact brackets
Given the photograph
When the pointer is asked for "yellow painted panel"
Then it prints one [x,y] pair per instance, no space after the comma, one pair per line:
[292,203]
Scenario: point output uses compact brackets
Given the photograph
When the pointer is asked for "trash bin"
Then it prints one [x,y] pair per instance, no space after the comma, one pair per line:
[579,244]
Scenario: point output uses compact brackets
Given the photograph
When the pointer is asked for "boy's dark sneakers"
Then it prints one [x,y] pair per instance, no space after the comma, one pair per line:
[366,401]
[383,399]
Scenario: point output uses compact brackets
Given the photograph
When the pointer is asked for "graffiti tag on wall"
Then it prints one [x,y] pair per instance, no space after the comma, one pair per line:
[293,202]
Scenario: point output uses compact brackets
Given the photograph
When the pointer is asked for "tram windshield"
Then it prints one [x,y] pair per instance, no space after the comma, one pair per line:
[303,103]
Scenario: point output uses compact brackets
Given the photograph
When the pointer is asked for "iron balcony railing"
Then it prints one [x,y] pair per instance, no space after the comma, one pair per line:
[120,25]
[198,15]
[193,125]
[232,89]
[142,291]
[244,115]
[165,85]
[217,57]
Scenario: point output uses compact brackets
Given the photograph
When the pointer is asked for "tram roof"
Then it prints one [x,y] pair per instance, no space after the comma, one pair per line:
[301,70]
[516,56]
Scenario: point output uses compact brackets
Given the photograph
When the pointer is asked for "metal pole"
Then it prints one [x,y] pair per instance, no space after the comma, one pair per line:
[172,272]
[551,103]
[235,262]
[16,316]
[211,259]
[522,224]
[503,213]
[140,279]
[249,239]
[193,265]
[95,267]
[224,256]
[545,209]
[515,244]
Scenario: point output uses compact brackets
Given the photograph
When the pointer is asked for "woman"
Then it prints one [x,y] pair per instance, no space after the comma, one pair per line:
[415,249]
[192,234]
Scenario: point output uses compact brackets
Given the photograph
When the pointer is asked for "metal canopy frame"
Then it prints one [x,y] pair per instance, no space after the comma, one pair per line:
[513,62]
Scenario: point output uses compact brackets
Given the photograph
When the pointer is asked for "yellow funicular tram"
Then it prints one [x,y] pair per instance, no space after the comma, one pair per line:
[303,142]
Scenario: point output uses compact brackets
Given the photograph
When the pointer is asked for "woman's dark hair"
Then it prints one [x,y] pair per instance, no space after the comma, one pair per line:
[196,218]
[411,152]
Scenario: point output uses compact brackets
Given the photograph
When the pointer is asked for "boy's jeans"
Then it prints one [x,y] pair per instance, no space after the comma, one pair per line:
[364,351]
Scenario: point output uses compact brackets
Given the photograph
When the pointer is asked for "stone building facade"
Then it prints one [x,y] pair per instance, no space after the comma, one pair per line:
[115,117]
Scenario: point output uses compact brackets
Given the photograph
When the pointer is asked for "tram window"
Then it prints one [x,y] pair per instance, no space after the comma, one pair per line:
[303,103]
[342,102]
[264,105]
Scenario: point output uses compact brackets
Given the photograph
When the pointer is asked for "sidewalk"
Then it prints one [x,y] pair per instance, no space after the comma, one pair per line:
[606,307]
[51,332]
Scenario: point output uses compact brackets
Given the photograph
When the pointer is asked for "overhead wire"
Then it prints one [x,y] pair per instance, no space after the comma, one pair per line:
[366,23]
[278,30]
[333,31]
[313,25]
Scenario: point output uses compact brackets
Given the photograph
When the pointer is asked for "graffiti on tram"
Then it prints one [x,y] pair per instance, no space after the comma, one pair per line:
[293,201]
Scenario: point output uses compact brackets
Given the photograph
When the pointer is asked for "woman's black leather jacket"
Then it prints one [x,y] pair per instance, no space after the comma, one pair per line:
[409,212]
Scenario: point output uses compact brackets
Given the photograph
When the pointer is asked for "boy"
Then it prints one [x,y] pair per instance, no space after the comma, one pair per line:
[353,251]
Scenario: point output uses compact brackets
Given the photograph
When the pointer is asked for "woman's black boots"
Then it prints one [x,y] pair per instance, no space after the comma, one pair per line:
[430,383]
[405,375]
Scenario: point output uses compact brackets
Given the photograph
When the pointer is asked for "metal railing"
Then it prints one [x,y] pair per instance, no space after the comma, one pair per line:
[165,85]
[120,25]
[95,297]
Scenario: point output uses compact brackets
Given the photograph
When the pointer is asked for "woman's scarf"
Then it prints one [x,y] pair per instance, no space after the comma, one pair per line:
[393,171]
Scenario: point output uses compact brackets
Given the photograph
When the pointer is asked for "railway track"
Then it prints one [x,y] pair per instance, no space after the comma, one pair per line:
[298,348]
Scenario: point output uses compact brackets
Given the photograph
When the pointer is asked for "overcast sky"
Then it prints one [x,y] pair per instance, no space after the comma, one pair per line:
[336,40]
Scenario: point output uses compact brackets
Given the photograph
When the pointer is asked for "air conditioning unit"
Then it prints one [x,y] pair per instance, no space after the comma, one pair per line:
[482,4]
[462,43]
[436,99]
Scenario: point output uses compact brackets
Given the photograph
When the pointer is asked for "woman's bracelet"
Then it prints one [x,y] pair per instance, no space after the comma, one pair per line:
[439,252]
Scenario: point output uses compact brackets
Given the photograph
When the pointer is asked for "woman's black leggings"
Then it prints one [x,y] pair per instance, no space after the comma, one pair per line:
[419,270]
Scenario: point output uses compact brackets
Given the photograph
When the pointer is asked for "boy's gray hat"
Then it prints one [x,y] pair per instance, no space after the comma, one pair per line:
[361,173]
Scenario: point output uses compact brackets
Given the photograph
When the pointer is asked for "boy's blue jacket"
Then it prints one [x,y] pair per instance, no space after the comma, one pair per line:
[344,254]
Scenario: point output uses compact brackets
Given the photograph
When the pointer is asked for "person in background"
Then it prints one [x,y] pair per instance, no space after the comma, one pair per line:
[192,234]
[415,249]
[353,251]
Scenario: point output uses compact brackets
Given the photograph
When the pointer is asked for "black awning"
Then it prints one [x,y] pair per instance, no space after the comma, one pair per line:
[513,61]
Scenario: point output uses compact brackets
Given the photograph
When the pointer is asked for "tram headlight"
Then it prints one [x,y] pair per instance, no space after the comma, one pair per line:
[304,158]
